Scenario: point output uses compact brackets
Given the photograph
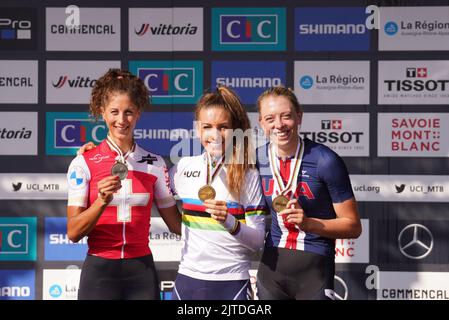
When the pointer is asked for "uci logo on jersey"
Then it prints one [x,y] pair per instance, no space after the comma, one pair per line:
[171,82]
[243,29]
[66,132]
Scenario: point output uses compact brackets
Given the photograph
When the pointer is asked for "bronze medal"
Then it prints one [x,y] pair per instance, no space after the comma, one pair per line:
[280,203]
[206,192]
[119,169]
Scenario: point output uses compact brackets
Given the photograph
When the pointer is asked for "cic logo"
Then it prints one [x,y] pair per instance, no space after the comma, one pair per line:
[253,29]
[17,239]
[171,82]
[67,131]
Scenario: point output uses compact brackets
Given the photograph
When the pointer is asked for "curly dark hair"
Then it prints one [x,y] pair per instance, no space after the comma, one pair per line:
[118,81]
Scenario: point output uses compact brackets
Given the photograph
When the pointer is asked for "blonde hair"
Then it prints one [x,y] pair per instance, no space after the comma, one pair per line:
[226,99]
[280,91]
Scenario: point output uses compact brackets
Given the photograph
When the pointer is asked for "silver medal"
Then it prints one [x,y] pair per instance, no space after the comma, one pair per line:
[120,169]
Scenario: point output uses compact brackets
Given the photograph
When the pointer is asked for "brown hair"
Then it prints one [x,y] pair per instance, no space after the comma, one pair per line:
[118,81]
[226,99]
[280,91]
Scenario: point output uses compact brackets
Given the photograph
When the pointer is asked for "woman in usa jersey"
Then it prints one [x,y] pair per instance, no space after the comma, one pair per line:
[307,187]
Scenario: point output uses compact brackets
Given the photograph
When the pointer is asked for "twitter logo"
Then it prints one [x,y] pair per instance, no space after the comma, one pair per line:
[400,188]
[17,186]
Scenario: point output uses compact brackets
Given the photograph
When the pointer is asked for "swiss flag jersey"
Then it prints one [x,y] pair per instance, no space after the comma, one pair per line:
[123,228]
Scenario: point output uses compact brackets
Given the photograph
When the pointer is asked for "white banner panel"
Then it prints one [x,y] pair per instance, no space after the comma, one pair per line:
[61,284]
[332,82]
[354,250]
[413,135]
[33,186]
[345,133]
[99,30]
[18,133]
[165,246]
[414,28]
[18,81]
[401,188]
[72,81]
[413,82]
[166,29]
[396,285]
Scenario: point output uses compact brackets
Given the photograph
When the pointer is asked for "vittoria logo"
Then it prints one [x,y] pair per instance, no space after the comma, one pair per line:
[166,29]
[78,82]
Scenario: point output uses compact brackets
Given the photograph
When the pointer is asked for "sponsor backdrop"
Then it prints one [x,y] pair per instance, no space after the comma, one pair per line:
[375,89]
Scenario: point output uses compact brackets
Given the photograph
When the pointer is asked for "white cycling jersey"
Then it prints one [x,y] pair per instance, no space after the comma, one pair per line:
[210,252]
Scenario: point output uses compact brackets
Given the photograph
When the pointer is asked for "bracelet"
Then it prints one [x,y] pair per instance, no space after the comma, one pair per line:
[236,228]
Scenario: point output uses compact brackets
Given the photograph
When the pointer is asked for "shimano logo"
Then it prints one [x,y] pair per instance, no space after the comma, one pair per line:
[58,238]
[332,29]
[259,82]
[15,291]
[166,134]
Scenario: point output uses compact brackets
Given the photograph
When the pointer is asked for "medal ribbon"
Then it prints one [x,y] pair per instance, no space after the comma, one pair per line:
[283,189]
[114,146]
[219,164]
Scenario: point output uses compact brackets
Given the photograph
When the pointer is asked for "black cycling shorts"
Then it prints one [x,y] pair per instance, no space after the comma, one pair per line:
[118,279]
[286,274]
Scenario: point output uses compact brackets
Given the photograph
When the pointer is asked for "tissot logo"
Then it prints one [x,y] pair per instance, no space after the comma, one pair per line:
[171,81]
[18,28]
[415,241]
[416,72]
[248,29]
[331,124]
[78,82]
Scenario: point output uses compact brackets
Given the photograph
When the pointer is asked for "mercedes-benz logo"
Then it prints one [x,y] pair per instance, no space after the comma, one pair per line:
[340,289]
[415,241]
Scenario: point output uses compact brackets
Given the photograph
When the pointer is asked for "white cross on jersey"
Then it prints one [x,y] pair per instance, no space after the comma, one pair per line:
[124,200]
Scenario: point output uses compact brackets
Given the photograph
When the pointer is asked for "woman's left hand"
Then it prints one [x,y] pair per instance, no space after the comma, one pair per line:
[218,209]
[293,213]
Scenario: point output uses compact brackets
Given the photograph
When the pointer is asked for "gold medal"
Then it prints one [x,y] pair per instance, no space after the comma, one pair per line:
[280,203]
[206,192]
[119,169]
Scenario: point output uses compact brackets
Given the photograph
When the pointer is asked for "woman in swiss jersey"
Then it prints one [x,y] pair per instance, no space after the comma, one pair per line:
[111,193]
